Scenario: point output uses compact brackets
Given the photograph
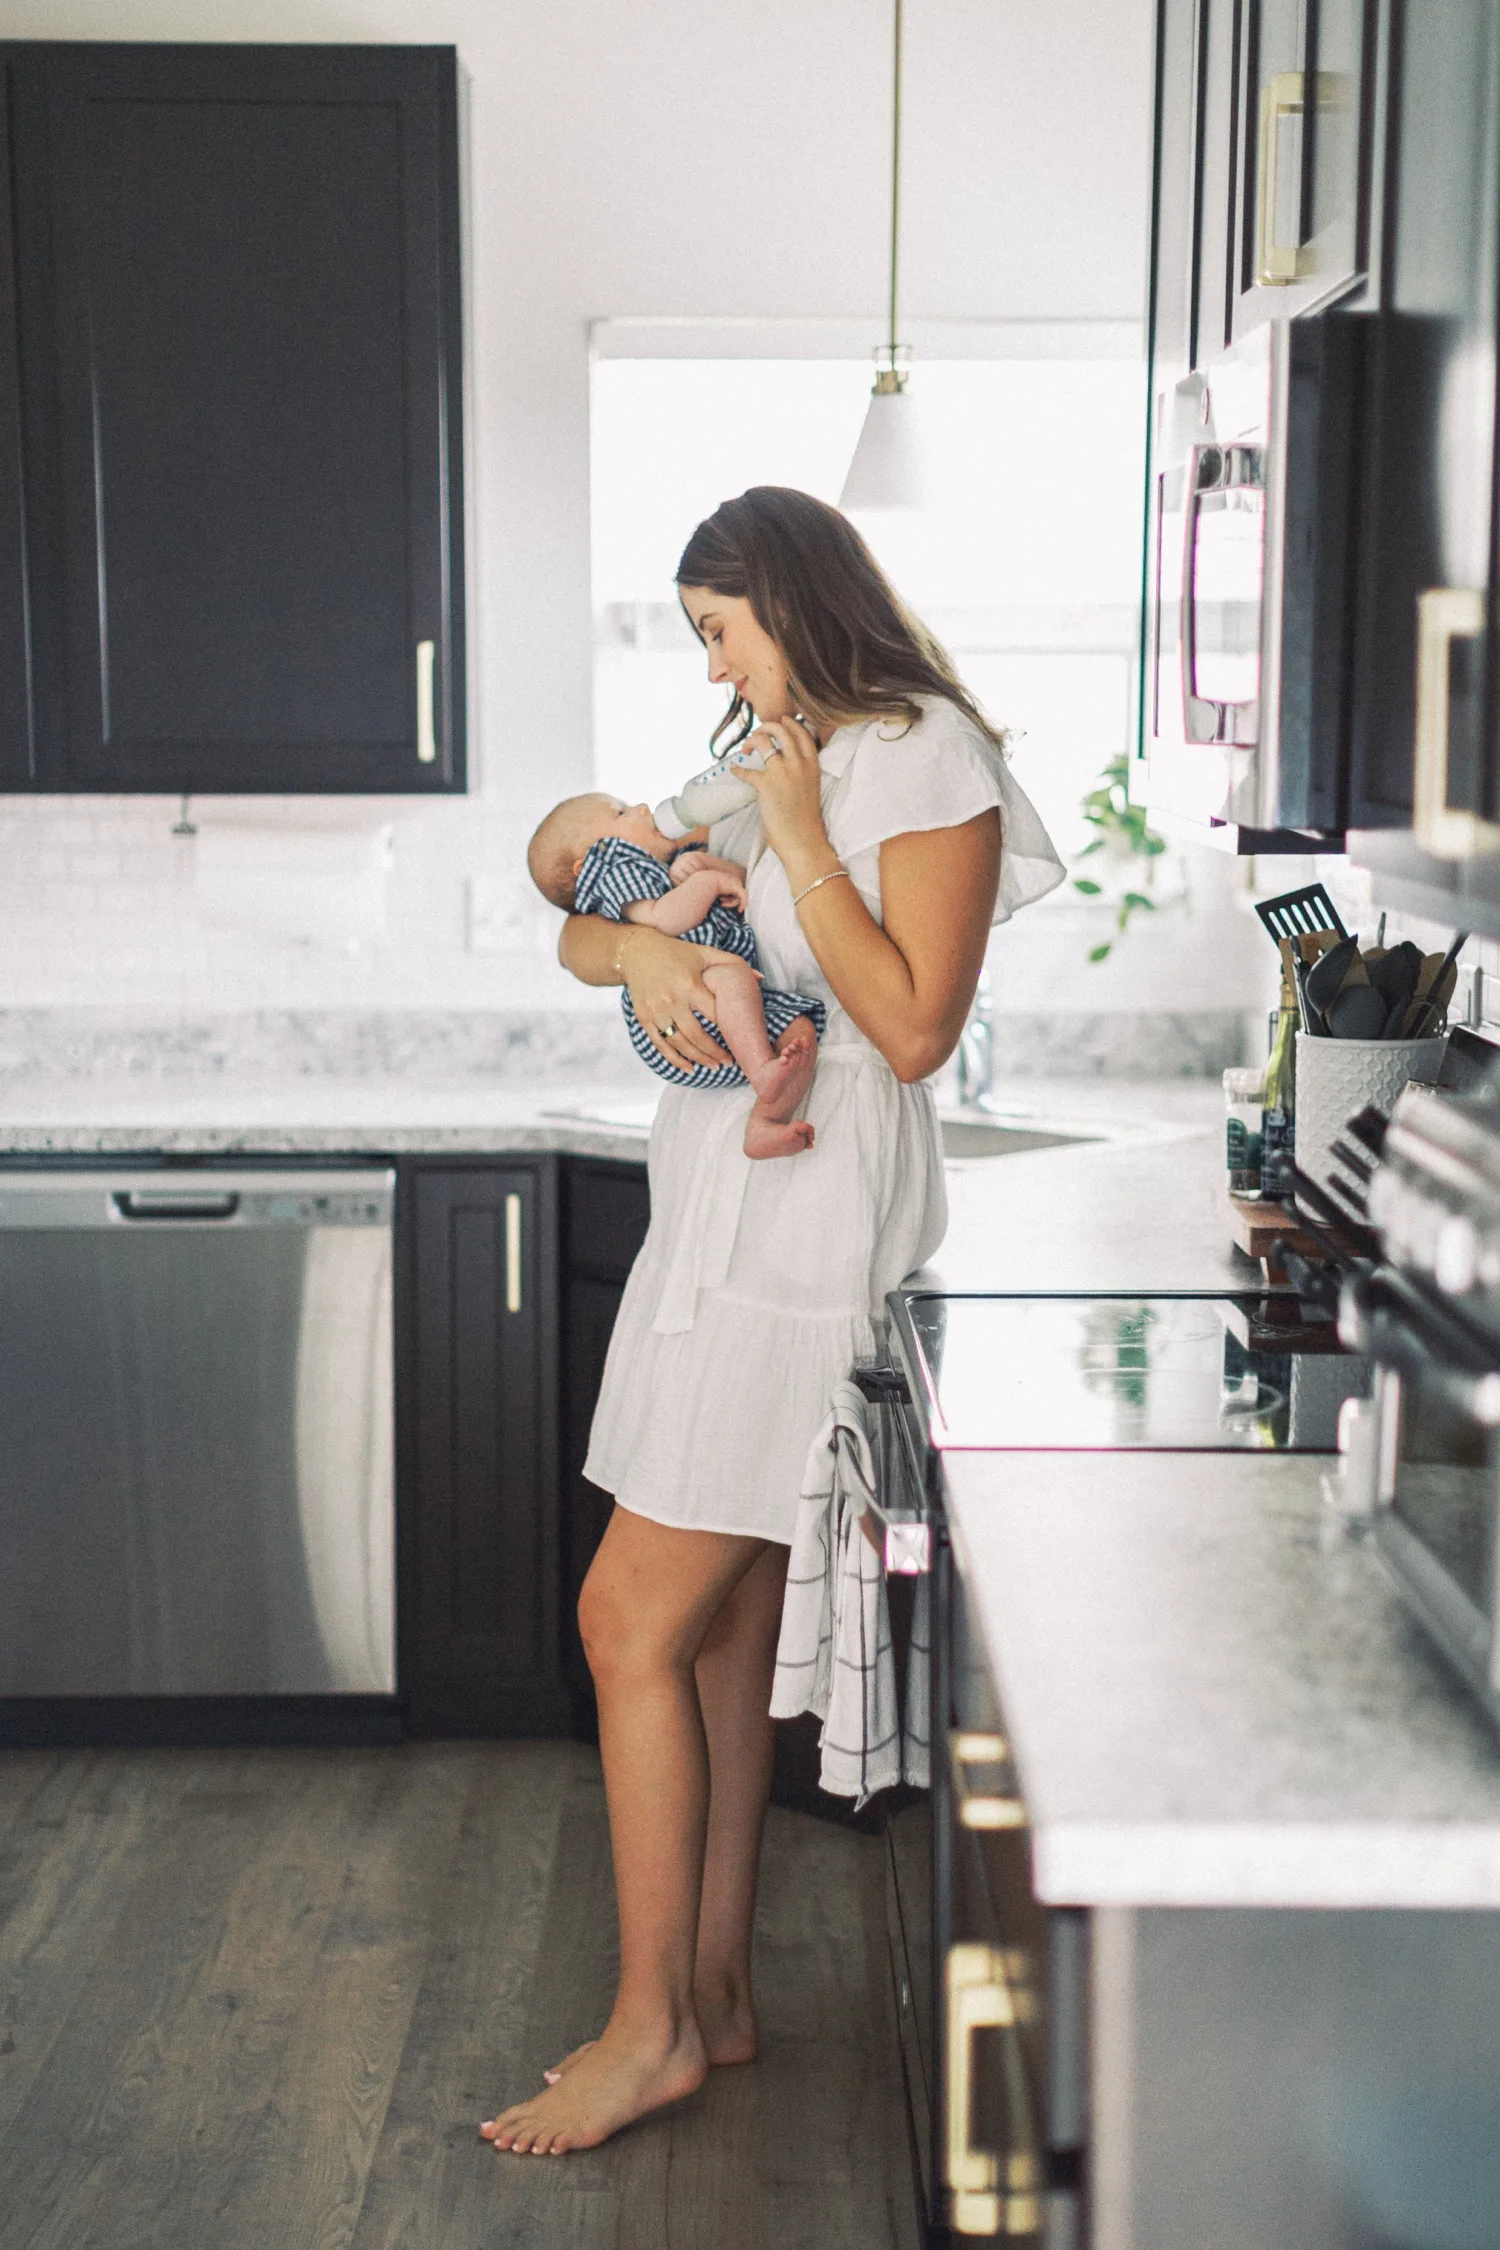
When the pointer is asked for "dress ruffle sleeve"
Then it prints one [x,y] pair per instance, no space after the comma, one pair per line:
[938,774]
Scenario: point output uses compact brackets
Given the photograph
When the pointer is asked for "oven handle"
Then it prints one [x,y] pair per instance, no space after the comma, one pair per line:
[988,2194]
[1380,1317]
[976,1809]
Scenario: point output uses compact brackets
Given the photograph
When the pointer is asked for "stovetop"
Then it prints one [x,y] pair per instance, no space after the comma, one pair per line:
[1214,1373]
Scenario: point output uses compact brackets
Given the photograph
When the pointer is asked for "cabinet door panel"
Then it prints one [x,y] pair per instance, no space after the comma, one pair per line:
[254,416]
[1302,192]
[15,656]
[480,1647]
[1430,444]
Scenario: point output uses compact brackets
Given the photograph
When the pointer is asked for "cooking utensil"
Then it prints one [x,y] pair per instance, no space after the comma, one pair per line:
[1395,972]
[1325,979]
[1313,1021]
[1297,912]
[1358,1012]
[1436,998]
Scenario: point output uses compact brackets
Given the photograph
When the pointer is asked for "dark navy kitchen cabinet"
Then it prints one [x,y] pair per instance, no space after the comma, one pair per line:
[1424,748]
[480,1631]
[15,664]
[1299,191]
[606,1208]
[510,1271]
[239,351]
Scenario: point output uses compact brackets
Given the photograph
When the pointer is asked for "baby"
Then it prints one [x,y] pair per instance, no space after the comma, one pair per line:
[597,856]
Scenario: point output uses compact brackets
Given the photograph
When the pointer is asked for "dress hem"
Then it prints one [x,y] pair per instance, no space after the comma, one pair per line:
[675,1523]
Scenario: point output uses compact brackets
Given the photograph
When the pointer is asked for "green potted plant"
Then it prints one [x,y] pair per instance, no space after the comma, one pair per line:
[1131,849]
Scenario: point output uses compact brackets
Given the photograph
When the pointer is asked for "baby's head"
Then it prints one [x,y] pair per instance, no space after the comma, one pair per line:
[571,829]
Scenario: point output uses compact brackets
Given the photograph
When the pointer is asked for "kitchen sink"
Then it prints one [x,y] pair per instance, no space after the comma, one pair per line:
[968,1137]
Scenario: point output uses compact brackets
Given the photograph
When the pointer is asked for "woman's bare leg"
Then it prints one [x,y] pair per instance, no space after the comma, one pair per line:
[650,1597]
[734,1672]
[735,1669]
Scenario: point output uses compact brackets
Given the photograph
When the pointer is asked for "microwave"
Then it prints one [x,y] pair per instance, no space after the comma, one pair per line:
[1249,612]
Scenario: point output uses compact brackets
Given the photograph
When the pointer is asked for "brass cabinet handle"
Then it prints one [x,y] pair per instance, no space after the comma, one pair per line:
[975,1810]
[426,720]
[512,1253]
[1445,614]
[989,2194]
[1275,263]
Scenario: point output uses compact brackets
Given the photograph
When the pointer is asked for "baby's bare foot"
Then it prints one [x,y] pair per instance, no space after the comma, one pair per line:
[765,1137]
[781,1083]
[607,2086]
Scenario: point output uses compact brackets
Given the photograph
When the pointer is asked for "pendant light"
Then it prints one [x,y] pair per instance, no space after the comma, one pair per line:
[889,468]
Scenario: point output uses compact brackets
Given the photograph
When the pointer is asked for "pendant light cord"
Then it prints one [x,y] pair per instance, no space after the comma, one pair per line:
[895,176]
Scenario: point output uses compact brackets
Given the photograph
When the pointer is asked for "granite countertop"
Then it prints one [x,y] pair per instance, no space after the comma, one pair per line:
[318,1116]
[1213,1692]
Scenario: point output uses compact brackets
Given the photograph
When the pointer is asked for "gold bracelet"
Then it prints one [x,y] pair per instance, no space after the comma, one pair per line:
[831,877]
[620,976]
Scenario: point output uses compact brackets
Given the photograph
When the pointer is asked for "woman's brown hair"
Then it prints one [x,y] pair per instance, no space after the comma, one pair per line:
[853,648]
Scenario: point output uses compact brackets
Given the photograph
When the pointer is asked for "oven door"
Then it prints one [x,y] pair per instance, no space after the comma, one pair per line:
[1437,1463]
[1014,2000]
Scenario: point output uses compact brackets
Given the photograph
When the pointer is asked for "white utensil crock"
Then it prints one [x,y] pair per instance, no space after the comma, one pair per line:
[1336,1078]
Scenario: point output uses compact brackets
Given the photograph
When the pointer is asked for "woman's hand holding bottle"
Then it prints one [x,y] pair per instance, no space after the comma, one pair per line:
[790,791]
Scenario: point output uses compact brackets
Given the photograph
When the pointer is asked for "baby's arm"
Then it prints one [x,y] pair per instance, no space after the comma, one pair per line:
[696,862]
[688,904]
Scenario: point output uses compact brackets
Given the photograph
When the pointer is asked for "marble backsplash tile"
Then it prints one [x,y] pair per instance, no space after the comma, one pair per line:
[515,1045]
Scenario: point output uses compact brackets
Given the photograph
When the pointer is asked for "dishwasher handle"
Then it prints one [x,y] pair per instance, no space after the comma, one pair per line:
[175,1203]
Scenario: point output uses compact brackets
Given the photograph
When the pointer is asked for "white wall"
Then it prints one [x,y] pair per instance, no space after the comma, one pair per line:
[639,157]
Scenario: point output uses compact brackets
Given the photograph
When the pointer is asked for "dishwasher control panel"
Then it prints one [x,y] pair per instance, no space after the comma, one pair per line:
[173,1196]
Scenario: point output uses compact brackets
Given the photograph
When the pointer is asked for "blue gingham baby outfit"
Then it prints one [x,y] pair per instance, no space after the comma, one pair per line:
[614,874]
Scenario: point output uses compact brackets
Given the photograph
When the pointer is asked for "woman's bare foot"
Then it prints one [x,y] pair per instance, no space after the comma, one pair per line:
[726,2021]
[608,2084]
[781,1083]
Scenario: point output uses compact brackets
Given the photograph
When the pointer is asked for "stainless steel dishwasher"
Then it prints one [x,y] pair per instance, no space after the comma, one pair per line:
[196,1440]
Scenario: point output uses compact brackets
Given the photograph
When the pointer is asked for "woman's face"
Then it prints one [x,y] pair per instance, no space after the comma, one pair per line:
[740,651]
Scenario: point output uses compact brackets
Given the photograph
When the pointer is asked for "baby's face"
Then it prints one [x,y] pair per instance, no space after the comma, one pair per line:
[635,824]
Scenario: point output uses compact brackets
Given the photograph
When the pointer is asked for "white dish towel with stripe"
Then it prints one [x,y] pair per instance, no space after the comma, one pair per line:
[835,1657]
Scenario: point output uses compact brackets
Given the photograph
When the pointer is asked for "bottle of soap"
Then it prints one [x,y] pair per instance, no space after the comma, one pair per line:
[711,795]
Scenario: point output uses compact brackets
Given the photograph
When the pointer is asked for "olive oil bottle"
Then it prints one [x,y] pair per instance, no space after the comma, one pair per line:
[1278,1124]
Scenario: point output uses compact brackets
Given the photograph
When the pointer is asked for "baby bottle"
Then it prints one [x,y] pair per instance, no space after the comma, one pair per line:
[711,795]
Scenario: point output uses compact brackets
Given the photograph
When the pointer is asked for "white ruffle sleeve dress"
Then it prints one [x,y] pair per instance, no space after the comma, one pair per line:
[759,1285]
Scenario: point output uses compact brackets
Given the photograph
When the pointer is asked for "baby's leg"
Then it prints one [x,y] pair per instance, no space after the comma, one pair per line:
[780,1077]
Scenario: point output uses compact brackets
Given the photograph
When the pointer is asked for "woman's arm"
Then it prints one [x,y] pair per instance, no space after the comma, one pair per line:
[665,976]
[909,986]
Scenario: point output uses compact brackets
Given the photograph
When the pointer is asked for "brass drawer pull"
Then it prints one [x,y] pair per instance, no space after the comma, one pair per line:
[989,2194]
[512,1253]
[976,1810]
[1445,614]
[426,716]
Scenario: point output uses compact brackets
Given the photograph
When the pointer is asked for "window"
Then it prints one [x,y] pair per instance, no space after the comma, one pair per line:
[1028,571]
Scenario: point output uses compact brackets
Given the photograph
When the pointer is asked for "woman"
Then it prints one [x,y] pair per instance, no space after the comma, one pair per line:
[887,837]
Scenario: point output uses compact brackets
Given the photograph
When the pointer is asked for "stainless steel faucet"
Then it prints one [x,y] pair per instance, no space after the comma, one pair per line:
[976,1051]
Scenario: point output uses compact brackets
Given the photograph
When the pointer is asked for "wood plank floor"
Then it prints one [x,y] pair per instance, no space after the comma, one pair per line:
[259,2000]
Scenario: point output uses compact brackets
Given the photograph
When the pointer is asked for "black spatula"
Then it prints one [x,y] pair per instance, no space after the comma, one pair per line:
[1300,913]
